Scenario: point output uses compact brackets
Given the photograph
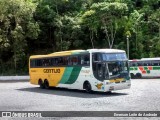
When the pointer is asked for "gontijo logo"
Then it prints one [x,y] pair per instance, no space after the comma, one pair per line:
[51,70]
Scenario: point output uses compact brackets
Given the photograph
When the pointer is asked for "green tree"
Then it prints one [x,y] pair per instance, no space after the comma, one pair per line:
[134,26]
[106,16]
[60,23]
[17,26]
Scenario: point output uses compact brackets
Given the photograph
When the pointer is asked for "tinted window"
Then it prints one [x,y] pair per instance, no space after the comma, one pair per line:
[155,63]
[146,63]
[54,61]
[140,63]
[133,63]
[85,60]
[96,57]
[46,62]
[74,60]
[39,62]
[32,63]
[66,61]
[113,56]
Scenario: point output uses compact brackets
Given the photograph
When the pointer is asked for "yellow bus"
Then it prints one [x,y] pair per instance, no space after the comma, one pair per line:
[91,70]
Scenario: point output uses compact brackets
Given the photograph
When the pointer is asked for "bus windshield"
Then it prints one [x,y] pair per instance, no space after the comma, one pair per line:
[110,66]
[118,69]
[113,56]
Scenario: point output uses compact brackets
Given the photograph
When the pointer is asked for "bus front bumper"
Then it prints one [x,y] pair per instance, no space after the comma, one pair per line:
[117,86]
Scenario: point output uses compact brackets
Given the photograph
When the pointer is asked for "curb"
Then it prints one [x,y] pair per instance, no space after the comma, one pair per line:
[14,78]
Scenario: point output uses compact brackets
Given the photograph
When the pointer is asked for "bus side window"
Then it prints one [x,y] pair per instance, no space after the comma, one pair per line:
[134,64]
[46,62]
[60,61]
[32,63]
[69,61]
[85,60]
[54,61]
[146,63]
[139,63]
[155,63]
[74,60]
[130,64]
[96,57]
[82,60]
[39,62]
[66,60]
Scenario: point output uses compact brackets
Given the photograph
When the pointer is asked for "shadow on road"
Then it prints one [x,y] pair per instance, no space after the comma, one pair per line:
[71,92]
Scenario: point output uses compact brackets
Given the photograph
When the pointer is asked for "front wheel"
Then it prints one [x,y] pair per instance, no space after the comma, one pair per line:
[87,87]
[132,76]
[138,75]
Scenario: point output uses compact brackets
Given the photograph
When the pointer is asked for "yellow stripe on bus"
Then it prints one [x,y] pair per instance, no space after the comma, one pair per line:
[116,80]
[53,75]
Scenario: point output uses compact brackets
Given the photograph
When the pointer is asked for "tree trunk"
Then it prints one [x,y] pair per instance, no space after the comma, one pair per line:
[91,38]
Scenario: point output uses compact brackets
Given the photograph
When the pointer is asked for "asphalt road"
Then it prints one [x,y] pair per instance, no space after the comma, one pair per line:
[144,95]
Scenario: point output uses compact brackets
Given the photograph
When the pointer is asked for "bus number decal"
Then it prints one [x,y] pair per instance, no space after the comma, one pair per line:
[51,71]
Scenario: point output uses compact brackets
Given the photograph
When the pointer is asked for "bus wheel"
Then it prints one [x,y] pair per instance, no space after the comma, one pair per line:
[132,76]
[46,84]
[40,83]
[87,87]
[138,75]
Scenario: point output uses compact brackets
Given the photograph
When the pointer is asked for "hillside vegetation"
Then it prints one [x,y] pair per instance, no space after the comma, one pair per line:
[29,27]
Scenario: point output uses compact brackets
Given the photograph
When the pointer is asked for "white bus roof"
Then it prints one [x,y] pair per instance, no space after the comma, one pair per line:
[146,59]
[77,51]
[157,58]
[106,50]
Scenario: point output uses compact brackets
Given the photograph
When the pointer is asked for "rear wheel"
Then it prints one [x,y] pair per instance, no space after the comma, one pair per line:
[46,84]
[41,84]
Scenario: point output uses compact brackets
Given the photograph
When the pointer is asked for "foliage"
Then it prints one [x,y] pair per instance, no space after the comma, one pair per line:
[106,16]
[30,27]
[16,26]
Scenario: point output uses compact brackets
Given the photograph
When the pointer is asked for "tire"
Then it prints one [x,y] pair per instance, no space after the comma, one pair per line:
[46,84]
[138,75]
[87,87]
[132,76]
[41,85]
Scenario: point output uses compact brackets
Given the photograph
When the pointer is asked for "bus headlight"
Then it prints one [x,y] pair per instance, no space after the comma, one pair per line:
[107,83]
[111,88]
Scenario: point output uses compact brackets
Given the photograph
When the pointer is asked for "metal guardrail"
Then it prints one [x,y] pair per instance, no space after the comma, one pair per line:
[14,78]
